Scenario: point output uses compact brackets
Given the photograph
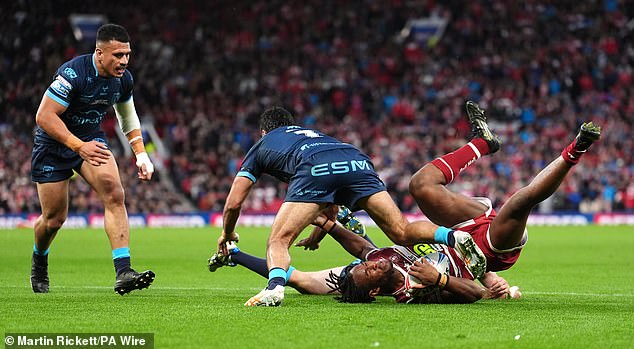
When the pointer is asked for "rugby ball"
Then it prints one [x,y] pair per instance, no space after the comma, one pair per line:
[439,261]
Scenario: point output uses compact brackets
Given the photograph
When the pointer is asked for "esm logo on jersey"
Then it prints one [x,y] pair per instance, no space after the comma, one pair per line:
[339,167]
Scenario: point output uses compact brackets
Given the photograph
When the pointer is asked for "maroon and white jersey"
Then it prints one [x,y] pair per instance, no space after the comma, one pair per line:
[403,257]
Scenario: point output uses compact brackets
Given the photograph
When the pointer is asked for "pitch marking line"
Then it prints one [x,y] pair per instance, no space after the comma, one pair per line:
[169,288]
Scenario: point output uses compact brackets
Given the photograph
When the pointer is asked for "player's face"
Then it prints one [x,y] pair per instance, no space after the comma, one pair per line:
[372,274]
[113,57]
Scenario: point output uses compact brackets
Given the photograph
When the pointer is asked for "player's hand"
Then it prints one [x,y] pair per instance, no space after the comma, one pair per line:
[308,244]
[311,243]
[331,212]
[146,168]
[497,285]
[224,238]
[95,153]
[425,272]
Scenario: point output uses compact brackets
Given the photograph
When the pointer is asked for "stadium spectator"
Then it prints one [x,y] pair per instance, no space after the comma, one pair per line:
[68,140]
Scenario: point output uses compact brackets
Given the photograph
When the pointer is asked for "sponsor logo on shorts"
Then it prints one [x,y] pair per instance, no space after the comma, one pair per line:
[339,167]
[47,171]
[310,192]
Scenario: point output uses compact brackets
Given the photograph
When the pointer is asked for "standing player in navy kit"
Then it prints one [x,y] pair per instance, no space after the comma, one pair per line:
[68,138]
[321,171]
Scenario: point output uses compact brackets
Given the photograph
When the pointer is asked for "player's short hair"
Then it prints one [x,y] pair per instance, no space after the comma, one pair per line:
[344,283]
[275,117]
[111,31]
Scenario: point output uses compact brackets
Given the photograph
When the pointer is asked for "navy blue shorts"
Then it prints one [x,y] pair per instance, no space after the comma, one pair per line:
[54,162]
[340,176]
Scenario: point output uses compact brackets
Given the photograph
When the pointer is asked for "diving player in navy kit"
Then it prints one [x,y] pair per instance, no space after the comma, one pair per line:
[321,171]
[68,138]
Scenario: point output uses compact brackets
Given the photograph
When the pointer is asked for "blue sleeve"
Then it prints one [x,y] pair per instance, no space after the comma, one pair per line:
[127,82]
[250,167]
[64,85]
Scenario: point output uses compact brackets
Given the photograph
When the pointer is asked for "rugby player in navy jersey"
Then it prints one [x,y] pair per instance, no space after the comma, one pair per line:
[68,139]
[321,171]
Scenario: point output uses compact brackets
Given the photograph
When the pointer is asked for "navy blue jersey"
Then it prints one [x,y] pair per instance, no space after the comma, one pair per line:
[87,96]
[280,152]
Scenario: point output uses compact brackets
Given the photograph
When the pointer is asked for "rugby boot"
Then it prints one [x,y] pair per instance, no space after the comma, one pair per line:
[470,253]
[349,221]
[130,280]
[267,298]
[218,260]
[479,127]
[39,274]
[588,134]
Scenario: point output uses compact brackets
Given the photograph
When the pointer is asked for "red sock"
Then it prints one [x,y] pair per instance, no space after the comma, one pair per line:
[457,161]
[572,155]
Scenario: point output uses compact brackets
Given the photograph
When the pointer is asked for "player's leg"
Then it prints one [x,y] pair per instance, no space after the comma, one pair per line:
[289,222]
[508,228]
[428,185]
[105,180]
[304,282]
[54,202]
[439,204]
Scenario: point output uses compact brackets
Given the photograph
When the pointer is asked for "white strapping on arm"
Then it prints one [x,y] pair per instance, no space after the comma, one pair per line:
[127,116]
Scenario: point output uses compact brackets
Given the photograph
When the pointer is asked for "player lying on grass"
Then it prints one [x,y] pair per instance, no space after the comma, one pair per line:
[443,276]
[502,236]
[390,268]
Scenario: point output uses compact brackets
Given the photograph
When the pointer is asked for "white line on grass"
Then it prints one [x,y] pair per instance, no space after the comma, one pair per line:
[252,288]
[579,294]
[152,287]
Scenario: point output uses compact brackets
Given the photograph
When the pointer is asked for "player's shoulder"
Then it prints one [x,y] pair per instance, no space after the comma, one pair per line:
[76,70]
[76,67]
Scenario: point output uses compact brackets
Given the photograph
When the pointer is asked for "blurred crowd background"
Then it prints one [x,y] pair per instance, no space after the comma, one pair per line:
[205,70]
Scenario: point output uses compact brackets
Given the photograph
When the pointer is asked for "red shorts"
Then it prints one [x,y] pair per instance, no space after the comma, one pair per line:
[478,227]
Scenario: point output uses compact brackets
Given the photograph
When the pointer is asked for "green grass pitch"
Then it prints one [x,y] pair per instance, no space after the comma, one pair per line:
[577,285]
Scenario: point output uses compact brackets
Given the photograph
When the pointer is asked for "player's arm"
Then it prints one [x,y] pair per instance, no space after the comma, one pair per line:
[453,289]
[233,205]
[48,118]
[351,242]
[313,282]
[320,231]
[131,126]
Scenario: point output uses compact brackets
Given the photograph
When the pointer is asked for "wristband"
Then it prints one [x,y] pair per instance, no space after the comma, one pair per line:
[438,279]
[330,228]
[134,139]
[443,281]
[142,158]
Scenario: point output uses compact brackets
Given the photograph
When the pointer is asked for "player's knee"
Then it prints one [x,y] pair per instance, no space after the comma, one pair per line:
[116,196]
[113,192]
[282,238]
[420,189]
[398,236]
[421,182]
[53,224]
